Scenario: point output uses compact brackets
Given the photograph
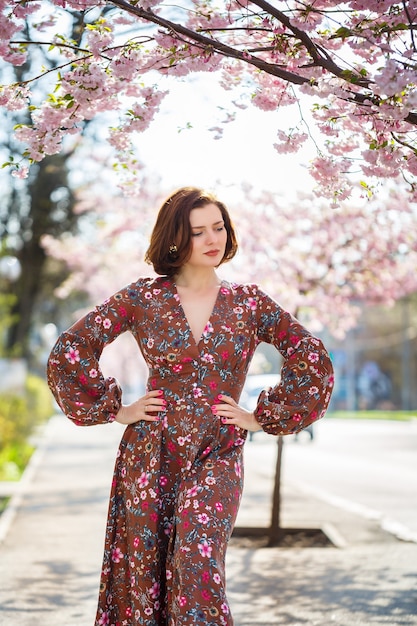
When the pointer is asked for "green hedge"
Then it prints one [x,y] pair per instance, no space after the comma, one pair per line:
[20,416]
[374,415]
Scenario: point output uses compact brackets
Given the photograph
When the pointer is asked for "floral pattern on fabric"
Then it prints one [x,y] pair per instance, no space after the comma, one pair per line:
[178,482]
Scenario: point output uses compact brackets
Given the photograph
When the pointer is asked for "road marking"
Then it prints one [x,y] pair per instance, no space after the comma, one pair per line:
[391,526]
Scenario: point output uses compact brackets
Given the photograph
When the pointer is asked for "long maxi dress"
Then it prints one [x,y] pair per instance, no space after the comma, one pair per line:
[178,481]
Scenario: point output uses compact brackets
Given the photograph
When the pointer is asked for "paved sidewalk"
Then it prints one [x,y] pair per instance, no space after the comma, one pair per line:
[52,537]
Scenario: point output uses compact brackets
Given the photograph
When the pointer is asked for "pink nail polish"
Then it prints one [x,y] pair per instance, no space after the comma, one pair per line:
[214,409]
[160,392]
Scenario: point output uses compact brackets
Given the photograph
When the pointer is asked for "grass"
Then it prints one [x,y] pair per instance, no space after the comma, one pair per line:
[402,416]
[13,460]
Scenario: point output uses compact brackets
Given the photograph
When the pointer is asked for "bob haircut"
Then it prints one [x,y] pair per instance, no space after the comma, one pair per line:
[173,229]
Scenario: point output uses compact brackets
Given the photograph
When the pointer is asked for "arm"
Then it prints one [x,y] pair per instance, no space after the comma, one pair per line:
[73,370]
[303,393]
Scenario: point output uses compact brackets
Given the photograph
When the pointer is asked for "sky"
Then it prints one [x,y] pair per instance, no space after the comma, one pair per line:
[192,156]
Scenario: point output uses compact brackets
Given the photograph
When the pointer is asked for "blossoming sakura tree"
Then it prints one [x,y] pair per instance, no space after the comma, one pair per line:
[348,68]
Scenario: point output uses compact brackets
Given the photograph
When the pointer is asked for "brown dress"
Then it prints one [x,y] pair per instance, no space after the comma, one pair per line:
[178,482]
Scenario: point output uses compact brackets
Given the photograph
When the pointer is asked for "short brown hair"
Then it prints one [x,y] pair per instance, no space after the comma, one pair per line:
[172,227]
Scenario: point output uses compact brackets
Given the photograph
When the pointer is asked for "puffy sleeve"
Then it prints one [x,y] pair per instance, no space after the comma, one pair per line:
[303,393]
[73,371]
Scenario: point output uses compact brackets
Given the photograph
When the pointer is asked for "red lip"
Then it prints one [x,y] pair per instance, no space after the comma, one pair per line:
[212,252]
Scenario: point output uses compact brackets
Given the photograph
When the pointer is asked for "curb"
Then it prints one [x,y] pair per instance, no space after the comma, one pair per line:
[21,487]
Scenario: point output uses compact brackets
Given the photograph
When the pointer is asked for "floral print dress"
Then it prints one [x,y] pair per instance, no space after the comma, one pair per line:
[178,481]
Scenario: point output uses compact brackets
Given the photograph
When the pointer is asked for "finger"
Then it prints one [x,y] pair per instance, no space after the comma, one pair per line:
[226,399]
[154,393]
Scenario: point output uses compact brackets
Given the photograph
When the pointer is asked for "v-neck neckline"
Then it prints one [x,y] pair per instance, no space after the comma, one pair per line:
[177,298]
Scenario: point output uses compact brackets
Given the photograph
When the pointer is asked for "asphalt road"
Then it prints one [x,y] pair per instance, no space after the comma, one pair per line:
[367,467]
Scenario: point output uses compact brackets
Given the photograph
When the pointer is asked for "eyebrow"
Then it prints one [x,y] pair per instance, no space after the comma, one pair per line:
[215,224]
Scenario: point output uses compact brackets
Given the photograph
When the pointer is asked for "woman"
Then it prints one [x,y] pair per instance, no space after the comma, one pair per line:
[178,475]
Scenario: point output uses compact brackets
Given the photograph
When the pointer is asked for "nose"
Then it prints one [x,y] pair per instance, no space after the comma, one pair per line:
[211,236]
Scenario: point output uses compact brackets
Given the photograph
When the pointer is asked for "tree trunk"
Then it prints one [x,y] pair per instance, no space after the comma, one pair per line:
[275,530]
[50,212]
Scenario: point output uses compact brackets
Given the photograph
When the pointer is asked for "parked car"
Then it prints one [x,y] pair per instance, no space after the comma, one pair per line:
[255,383]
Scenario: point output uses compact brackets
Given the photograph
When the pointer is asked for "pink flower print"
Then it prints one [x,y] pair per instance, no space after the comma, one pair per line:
[177,368]
[238,310]
[192,492]
[168,574]
[73,355]
[313,357]
[143,480]
[313,390]
[206,594]
[122,311]
[225,355]
[213,385]
[116,555]
[163,480]
[150,342]
[238,469]
[219,506]
[156,292]
[93,373]
[252,304]
[207,358]
[203,518]
[217,579]
[210,480]
[224,607]
[154,590]
[148,610]
[295,340]
[104,619]
[205,577]
[128,611]
[148,295]
[136,542]
[224,291]
[107,323]
[207,329]
[204,549]
[197,392]
[98,319]
[83,379]
[182,601]
[296,417]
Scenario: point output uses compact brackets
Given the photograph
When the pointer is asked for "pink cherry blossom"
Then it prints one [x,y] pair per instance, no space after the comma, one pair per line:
[356,68]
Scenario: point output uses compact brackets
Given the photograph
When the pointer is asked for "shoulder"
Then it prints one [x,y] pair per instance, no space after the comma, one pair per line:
[147,285]
[243,290]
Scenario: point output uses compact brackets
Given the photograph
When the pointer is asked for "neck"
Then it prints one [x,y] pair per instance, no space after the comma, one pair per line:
[197,279]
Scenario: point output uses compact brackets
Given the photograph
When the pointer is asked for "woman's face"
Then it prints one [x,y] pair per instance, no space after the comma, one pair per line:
[208,236]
